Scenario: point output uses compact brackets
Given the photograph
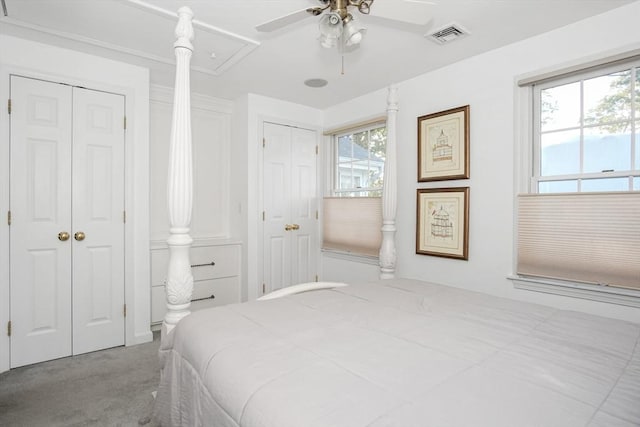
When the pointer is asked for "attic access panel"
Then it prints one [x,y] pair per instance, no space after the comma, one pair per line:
[132,27]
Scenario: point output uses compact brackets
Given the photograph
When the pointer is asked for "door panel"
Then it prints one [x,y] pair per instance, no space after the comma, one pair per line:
[277,204]
[278,256]
[305,203]
[98,207]
[290,199]
[40,274]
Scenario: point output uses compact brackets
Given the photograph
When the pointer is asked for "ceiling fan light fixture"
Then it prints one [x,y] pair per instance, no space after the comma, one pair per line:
[330,25]
[328,41]
[330,30]
[352,34]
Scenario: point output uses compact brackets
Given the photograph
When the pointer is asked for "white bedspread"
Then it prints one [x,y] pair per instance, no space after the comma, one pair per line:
[399,353]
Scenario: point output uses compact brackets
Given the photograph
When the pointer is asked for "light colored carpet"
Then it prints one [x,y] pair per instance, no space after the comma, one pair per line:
[106,388]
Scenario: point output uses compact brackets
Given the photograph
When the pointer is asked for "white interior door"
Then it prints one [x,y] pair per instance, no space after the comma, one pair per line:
[290,202]
[98,222]
[277,204]
[40,210]
[304,205]
[67,229]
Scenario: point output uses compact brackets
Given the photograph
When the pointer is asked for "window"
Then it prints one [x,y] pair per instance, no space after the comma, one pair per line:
[578,230]
[587,131]
[359,161]
[352,214]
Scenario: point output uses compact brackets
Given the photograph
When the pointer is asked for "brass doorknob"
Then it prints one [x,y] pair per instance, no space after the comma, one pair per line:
[79,236]
[63,236]
[295,227]
[288,227]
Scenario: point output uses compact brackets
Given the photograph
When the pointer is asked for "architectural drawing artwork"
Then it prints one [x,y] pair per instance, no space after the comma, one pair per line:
[442,148]
[441,224]
[442,151]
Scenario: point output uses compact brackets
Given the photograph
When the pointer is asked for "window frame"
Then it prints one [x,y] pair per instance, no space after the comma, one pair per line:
[580,75]
[334,160]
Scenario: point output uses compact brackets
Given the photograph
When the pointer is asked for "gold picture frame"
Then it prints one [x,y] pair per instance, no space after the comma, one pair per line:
[442,222]
[443,145]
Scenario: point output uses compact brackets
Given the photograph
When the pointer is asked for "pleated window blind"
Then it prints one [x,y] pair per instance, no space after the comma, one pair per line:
[352,224]
[583,237]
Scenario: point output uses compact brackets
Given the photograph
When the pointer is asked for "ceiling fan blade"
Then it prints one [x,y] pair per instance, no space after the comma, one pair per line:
[283,21]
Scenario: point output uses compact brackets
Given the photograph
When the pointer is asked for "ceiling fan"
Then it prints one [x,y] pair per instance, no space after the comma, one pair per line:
[339,28]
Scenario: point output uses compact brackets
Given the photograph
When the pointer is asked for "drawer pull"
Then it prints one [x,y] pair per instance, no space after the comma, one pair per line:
[201,299]
[203,265]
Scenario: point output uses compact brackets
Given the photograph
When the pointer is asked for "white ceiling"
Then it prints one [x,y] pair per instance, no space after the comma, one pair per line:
[276,64]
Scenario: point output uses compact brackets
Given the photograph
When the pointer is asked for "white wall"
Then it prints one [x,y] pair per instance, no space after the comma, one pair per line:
[50,63]
[487,83]
[249,114]
[238,199]
[338,268]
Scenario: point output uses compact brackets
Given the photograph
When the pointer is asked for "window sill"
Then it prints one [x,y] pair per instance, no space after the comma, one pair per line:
[351,256]
[608,294]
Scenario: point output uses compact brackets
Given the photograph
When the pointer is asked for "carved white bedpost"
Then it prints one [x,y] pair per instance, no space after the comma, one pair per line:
[179,285]
[389,191]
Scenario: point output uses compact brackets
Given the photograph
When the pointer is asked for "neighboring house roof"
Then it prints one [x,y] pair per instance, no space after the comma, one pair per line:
[359,153]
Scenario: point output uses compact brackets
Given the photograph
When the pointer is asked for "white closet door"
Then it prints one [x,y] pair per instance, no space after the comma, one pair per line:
[98,226]
[290,248]
[41,209]
[277,205]
[304,203]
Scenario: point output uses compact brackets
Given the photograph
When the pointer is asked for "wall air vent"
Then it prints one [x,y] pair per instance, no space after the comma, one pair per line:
[448,34]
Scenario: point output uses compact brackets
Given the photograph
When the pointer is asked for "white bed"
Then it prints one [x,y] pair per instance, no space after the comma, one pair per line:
[399,353]
[392,353]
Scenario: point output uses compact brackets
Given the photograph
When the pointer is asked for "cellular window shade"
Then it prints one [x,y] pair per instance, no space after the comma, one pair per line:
[584,237]
[352,224]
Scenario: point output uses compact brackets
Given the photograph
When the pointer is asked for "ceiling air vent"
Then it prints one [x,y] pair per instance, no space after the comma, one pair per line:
[448,34]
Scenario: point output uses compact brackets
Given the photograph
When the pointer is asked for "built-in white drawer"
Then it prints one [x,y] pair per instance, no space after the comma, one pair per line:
[215,269]
[224,291]
[225,259]
[213,262]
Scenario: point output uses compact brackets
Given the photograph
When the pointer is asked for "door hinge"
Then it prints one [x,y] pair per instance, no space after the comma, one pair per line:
[264,288]
[317,149]
[9,328]
[124,216]
[9,105]
[317,215]
[264,142]
[8,217]
[264,215]
[125,122]
[316,277]
[124,310]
